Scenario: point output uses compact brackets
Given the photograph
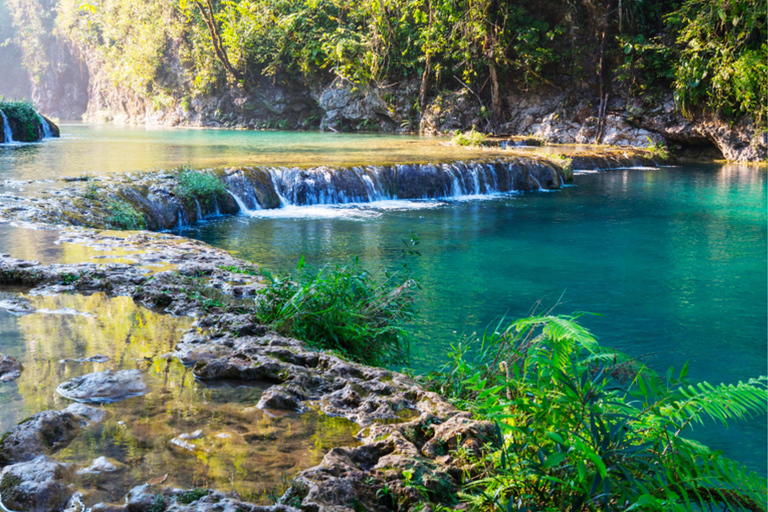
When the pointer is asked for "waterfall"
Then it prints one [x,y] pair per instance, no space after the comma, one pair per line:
[265,188]
[240,203]
[7,133]
[46,127]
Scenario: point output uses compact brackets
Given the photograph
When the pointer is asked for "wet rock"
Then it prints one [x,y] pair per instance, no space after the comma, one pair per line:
[41,434]
[87,413]
[104,387]
[98,358]
[100,465]
[241,367]
[276,398]
[10,368]
[144,497]
[39,485]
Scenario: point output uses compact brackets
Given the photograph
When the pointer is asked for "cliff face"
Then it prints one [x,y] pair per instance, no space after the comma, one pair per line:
[62,90]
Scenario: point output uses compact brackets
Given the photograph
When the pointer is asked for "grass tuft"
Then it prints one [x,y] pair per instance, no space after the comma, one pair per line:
[346,308]
[198,185]
[469,138]
[122,215]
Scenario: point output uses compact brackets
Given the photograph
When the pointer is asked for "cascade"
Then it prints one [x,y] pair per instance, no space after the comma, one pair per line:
[7,133]
[284,186]
[46,127]
[240,203]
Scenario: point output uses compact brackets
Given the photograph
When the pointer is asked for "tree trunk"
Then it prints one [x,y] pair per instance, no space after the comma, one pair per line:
[208,14]
[424,85]
[427,67]
[603,73]
[496,106]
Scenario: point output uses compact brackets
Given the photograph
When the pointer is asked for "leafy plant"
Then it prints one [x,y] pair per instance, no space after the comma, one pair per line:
[122,215]
[469,138]
[583,428]
[722,62]
[657,149]
[198,185]
[345,308]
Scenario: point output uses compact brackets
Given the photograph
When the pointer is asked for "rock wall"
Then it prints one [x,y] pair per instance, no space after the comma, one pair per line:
[561,117]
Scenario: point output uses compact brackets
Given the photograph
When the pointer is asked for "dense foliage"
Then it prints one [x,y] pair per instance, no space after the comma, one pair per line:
[23,119]
[346,308]
[582,428]
[711,52]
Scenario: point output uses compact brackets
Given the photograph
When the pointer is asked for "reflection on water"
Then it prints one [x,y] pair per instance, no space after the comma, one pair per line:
[239,447]
[105,149]
[673,259]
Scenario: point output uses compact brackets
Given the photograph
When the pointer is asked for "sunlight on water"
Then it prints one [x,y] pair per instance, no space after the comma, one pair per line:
[673,259]
[239,448]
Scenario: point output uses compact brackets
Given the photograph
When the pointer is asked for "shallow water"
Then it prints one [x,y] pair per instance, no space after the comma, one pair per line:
[103,149]
[673,259]
[239,448]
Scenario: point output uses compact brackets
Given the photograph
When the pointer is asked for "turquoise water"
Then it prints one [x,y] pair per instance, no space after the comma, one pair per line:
[673,259]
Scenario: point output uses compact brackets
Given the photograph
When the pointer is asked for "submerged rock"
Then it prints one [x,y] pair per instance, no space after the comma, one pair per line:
[41,434]
[39,485]
[104,387]
[100,465]
[46,432]
[10,368]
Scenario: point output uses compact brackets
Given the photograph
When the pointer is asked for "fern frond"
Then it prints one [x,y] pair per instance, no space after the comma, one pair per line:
[721,403]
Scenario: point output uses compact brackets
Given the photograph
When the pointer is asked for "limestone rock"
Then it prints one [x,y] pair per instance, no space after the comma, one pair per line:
[10,368]
[39,485]
[104,387]
[41,434]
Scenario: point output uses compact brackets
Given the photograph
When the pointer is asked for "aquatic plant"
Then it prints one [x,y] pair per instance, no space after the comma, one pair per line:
[198,185]
[122,215]
[345,308]
[469,138]
[580,427]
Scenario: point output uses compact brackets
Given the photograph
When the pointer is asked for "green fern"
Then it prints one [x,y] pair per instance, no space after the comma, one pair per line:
[586,428]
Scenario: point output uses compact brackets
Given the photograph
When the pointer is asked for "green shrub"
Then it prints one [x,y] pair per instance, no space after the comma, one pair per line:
[582,428]
[198,185]
[122,215]
[470,138]
[657,149]
[359,314]
[23,116]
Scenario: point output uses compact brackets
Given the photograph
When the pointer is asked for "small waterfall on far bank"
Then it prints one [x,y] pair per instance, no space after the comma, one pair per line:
[46,127]
[7,133]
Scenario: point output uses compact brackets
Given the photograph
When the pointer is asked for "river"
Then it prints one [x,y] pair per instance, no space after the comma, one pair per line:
[672,260]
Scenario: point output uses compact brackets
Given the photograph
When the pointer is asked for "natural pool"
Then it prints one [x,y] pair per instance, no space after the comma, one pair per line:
[673,259]
[182,432]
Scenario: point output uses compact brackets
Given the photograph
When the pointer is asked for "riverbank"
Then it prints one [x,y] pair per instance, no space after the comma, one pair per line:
[224,345]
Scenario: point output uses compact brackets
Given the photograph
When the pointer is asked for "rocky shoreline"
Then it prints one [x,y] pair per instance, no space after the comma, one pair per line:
[404,427]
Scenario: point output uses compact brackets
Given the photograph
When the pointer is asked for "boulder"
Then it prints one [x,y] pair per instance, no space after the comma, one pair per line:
[104,387]
[41,434]
[39,485]
[10,368]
